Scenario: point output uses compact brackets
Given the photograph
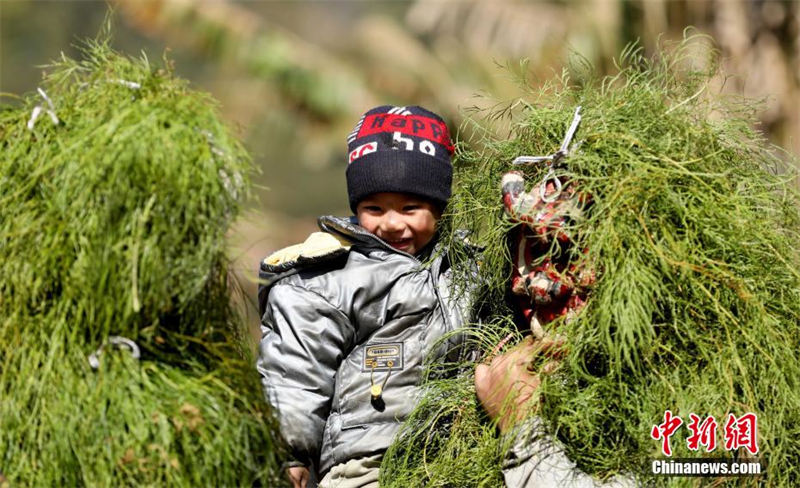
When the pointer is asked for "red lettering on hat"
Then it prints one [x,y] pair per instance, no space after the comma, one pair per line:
[362,150]
[419,126]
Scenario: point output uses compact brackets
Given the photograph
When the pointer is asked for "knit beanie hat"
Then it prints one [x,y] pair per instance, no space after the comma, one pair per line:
[400,149]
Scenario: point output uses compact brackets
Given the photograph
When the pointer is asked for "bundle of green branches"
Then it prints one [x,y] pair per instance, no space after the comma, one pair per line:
[693,234]
[117,186]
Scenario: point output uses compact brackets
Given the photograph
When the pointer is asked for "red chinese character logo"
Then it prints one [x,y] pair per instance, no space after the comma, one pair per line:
[741,432]
[703,434]
[665,430]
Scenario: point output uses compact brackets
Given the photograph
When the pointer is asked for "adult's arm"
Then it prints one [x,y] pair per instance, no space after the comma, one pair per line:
[506,387]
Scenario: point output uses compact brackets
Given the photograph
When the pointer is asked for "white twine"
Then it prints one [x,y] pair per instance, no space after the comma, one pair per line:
[553,159]
[130,84]
[37,110]
[46,98]
[119,341]
[51,112]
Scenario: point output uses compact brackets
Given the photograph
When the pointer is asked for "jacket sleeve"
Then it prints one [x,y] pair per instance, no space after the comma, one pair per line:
[535,459]
[303,341]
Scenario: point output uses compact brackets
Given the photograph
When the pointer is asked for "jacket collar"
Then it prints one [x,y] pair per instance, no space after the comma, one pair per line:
[348,228]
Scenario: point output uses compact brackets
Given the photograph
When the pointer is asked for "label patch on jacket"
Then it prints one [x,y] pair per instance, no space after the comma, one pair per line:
[382,357]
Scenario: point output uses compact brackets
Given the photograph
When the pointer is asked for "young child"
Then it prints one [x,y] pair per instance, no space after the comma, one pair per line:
[350,317]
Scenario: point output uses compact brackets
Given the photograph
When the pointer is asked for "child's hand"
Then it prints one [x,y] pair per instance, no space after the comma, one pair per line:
[506,386]
[298,475]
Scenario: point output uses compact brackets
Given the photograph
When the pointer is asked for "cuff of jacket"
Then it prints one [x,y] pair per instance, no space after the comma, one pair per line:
[524,440]
[534,458]
[292,464]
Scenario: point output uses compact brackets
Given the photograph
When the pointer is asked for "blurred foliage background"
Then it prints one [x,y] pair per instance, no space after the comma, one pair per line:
[294,76]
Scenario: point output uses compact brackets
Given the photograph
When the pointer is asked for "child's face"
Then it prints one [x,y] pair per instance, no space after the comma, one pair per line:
[404,221]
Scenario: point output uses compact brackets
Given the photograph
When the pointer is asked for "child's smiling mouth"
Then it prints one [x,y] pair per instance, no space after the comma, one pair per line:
[401,244]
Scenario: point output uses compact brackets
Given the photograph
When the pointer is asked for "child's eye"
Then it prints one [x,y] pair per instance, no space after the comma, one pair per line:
[410,208]
[372,208]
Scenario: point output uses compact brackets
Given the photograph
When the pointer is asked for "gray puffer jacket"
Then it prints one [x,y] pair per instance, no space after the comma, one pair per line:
[337,323]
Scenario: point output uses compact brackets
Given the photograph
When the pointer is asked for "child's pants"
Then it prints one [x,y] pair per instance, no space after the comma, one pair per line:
[356,473]
[535,461]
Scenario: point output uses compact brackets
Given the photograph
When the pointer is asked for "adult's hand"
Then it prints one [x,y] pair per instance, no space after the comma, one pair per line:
[298,475]
[506,386]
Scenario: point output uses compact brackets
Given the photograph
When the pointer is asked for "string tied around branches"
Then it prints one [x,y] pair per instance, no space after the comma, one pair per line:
[117,341]
[37,110]
[552,160]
